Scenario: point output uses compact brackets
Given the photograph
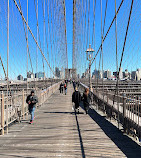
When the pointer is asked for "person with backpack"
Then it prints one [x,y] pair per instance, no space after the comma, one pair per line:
[31,101]
[76,98]
[65,88]
[86,100]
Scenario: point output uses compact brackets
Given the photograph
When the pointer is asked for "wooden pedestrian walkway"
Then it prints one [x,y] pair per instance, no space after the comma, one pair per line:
[58,132]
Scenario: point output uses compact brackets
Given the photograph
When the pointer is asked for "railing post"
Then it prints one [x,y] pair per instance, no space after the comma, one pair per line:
[107,98]
[23,110]
[40,99]
[124,113]
[2,113]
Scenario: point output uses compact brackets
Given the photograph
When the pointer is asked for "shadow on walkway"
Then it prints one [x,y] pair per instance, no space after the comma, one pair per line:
[124,143]
[80,137]
[73,113]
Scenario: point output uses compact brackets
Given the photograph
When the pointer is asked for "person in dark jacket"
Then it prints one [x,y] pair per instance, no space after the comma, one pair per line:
[76,98]
[61,88]
[31,101]
[86,100]
[65,88]
[74,85]
[78,84]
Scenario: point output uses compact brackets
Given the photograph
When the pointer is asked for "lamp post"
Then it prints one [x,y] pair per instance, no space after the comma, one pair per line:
[89,54]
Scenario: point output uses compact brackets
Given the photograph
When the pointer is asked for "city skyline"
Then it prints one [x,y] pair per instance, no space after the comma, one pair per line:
[17,42]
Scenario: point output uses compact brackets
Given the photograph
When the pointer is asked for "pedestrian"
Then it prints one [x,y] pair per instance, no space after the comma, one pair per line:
[61,88]
[65,88]
[74,85]
[86,100]
[76,99]
[78,83]
[31,101]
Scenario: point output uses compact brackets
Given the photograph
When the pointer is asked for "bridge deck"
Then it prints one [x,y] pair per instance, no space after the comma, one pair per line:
[57,132]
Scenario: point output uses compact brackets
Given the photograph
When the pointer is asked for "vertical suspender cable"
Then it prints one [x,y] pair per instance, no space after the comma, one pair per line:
[26,38]
[94,7]
[89,19]
[73,51]
[37,46]
[44,34]
[48,34]
[116,61]
[43,45]
[27,47]
[102,49]
[65,32]
[7,64]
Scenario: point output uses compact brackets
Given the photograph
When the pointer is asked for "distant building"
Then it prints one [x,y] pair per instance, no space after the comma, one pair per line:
[83,75]
[138,74]
[57,72]
[100,74]
[20,77]
[30,75]
[115,74]
[78,76]
[87,73]
[120,74]
[40,75]
[126,74]
[133,75]
[62,73]
[97,74]
[70,74]
[107,74]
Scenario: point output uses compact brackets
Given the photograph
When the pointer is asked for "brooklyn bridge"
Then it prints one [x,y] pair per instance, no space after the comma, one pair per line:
[52,50]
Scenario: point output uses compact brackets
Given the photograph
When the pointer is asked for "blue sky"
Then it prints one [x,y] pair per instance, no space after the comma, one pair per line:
[17,42]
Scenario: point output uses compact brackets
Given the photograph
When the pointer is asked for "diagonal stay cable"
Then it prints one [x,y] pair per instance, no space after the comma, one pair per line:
[105,16]
[126,34]
[108,30]
[3,66]
[33,35]
[116,90]
[124,45]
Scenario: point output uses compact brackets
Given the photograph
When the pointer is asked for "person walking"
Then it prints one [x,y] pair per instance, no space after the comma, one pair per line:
[76,98]
[78,84]
[31,101]
[74,85]
[65,88]
[86,100]
[61,88]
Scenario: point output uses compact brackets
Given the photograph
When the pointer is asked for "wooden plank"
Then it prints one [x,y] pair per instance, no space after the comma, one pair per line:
[57,132]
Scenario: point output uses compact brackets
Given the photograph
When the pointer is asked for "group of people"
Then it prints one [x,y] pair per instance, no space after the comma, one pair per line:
[32,99]
[77,98]
[63,87]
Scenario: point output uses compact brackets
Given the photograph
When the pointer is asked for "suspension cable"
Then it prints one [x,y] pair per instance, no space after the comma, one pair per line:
[108,30]
[33,35]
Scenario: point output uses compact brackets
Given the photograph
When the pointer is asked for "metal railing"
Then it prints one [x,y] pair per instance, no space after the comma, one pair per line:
[125,109]
[17,107]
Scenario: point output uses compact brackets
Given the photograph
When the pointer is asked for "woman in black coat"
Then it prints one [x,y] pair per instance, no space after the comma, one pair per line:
[86,100]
